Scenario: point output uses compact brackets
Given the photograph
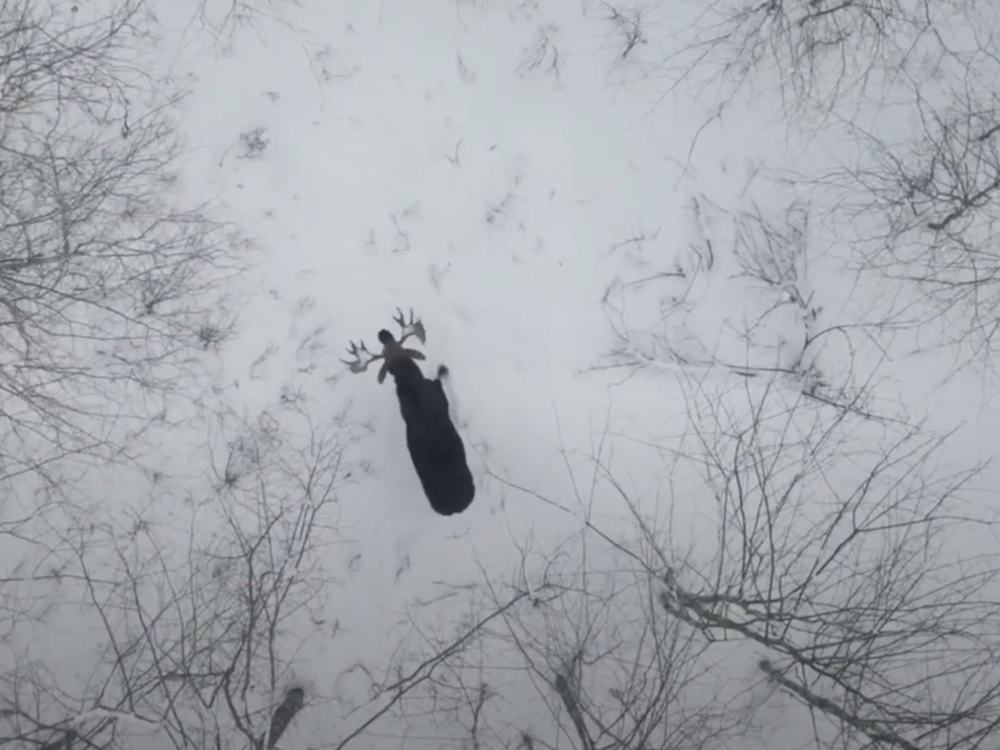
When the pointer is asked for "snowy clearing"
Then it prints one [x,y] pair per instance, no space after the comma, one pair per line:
[718,307]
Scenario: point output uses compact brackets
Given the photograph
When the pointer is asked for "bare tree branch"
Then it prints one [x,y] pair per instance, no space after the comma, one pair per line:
[106,281]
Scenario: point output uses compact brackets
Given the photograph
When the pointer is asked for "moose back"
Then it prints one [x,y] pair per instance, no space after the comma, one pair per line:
[435,446]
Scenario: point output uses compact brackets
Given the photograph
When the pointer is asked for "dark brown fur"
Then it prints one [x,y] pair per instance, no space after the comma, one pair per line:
[435,446]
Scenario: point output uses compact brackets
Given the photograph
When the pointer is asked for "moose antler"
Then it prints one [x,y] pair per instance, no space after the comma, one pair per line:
[407,329]
[391,348]
[358,351]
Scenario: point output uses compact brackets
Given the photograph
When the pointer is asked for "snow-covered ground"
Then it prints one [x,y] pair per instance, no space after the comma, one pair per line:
[561,217]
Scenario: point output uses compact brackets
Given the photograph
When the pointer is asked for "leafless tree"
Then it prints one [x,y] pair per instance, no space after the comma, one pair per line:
[816,52]
[152,617]
[184,625]
[847,555]
[906,89]
[925,212]
[110,282]
[841,552]
[822,580]
[223,20]
[675,310]
[580,654]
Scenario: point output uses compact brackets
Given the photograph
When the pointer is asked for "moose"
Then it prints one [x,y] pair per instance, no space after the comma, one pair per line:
[435,446]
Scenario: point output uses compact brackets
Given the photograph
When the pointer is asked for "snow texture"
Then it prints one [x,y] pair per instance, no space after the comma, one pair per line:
[565,221]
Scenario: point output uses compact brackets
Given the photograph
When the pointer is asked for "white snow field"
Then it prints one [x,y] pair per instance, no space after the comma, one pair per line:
[733,485]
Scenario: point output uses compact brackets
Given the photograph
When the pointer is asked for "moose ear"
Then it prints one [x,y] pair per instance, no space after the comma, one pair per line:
[382,371]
